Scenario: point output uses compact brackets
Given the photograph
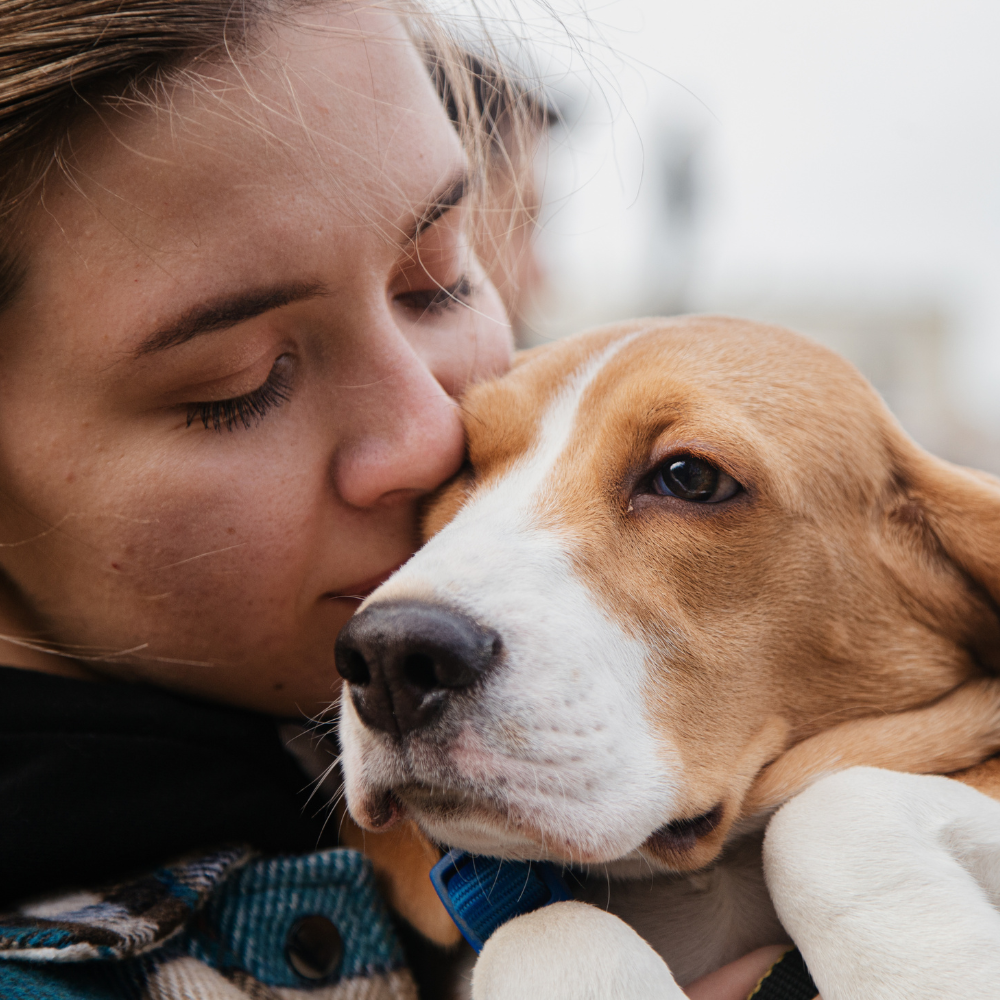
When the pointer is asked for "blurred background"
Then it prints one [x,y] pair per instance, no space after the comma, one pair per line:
[833,166]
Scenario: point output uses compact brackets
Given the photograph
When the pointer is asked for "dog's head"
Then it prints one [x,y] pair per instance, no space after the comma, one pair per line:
[678,548]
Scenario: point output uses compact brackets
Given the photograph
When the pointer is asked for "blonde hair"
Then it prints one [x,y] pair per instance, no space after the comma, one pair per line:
[59,58]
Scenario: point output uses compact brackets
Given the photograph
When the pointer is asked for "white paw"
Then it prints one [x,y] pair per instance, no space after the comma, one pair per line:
[570,951]
[889,884]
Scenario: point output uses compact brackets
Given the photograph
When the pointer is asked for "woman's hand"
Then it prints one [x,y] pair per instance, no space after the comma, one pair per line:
[735,980]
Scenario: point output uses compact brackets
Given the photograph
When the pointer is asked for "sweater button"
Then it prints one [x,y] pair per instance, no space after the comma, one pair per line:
[313,947]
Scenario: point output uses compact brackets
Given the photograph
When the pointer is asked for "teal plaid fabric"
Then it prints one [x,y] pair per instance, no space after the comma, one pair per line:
[253,912]
[215,928]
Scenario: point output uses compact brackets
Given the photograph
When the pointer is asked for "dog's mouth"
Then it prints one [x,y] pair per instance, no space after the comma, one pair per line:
[478,824]
[682,835]
[454,810]
[382,810]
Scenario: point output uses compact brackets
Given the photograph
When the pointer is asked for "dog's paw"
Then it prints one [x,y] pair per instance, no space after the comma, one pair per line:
[570,951]
[889,884]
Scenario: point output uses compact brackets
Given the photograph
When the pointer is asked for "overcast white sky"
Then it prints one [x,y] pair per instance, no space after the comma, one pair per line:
[852,147]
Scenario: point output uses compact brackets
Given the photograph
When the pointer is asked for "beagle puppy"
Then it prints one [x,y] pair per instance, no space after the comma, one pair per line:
[692,569]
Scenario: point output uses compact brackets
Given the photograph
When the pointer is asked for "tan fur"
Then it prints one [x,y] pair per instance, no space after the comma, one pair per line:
[841,610]
[984,776]
[402,858]
[936,739]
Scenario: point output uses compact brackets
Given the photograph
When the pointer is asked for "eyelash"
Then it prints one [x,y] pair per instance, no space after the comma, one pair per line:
[437,300]
[252,407]
[249,409]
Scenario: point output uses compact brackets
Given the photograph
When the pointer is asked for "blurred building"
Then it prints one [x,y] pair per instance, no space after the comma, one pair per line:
[834,168]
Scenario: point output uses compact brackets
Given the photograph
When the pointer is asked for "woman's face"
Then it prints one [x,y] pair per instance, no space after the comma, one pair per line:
[230,375]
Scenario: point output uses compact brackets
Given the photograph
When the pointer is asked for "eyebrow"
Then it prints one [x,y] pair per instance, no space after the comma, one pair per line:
[225,312]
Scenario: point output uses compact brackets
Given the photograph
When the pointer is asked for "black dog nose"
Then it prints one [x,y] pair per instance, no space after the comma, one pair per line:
[404,658]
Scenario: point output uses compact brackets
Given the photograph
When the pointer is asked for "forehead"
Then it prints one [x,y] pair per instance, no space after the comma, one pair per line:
[746,392]
[332,124]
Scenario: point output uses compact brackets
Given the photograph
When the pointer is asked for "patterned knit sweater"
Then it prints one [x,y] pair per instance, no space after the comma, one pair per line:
[102,785]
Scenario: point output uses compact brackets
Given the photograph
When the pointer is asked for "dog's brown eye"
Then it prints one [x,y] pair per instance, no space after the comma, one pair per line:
[691,478]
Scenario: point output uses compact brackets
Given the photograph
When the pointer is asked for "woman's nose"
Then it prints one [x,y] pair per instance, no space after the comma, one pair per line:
[405,436]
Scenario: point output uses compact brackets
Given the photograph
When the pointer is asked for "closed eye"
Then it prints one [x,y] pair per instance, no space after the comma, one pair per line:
[249,409]
[437,300]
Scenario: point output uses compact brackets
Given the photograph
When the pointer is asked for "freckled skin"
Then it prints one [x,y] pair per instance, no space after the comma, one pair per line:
[206,561]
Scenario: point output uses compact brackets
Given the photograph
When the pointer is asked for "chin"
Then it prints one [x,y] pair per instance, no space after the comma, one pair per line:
[513,832]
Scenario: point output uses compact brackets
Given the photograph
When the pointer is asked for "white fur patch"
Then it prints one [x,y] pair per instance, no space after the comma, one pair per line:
[890,885]
[552,754]
[611,961]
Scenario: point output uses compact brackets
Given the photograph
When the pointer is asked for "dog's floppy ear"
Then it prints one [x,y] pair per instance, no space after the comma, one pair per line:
[952,516]
[941,543]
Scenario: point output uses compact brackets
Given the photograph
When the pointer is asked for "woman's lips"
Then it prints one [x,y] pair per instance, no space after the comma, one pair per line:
[359,591]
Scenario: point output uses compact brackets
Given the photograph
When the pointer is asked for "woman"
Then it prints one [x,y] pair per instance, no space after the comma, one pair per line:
[238,301]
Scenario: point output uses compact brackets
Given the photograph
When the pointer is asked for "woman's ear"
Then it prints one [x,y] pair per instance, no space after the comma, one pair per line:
[954,515]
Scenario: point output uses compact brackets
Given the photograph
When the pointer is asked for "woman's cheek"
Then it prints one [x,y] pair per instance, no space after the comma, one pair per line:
[173,550]
[484,348]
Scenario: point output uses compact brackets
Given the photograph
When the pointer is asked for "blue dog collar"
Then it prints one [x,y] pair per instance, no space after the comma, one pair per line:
[482,893]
